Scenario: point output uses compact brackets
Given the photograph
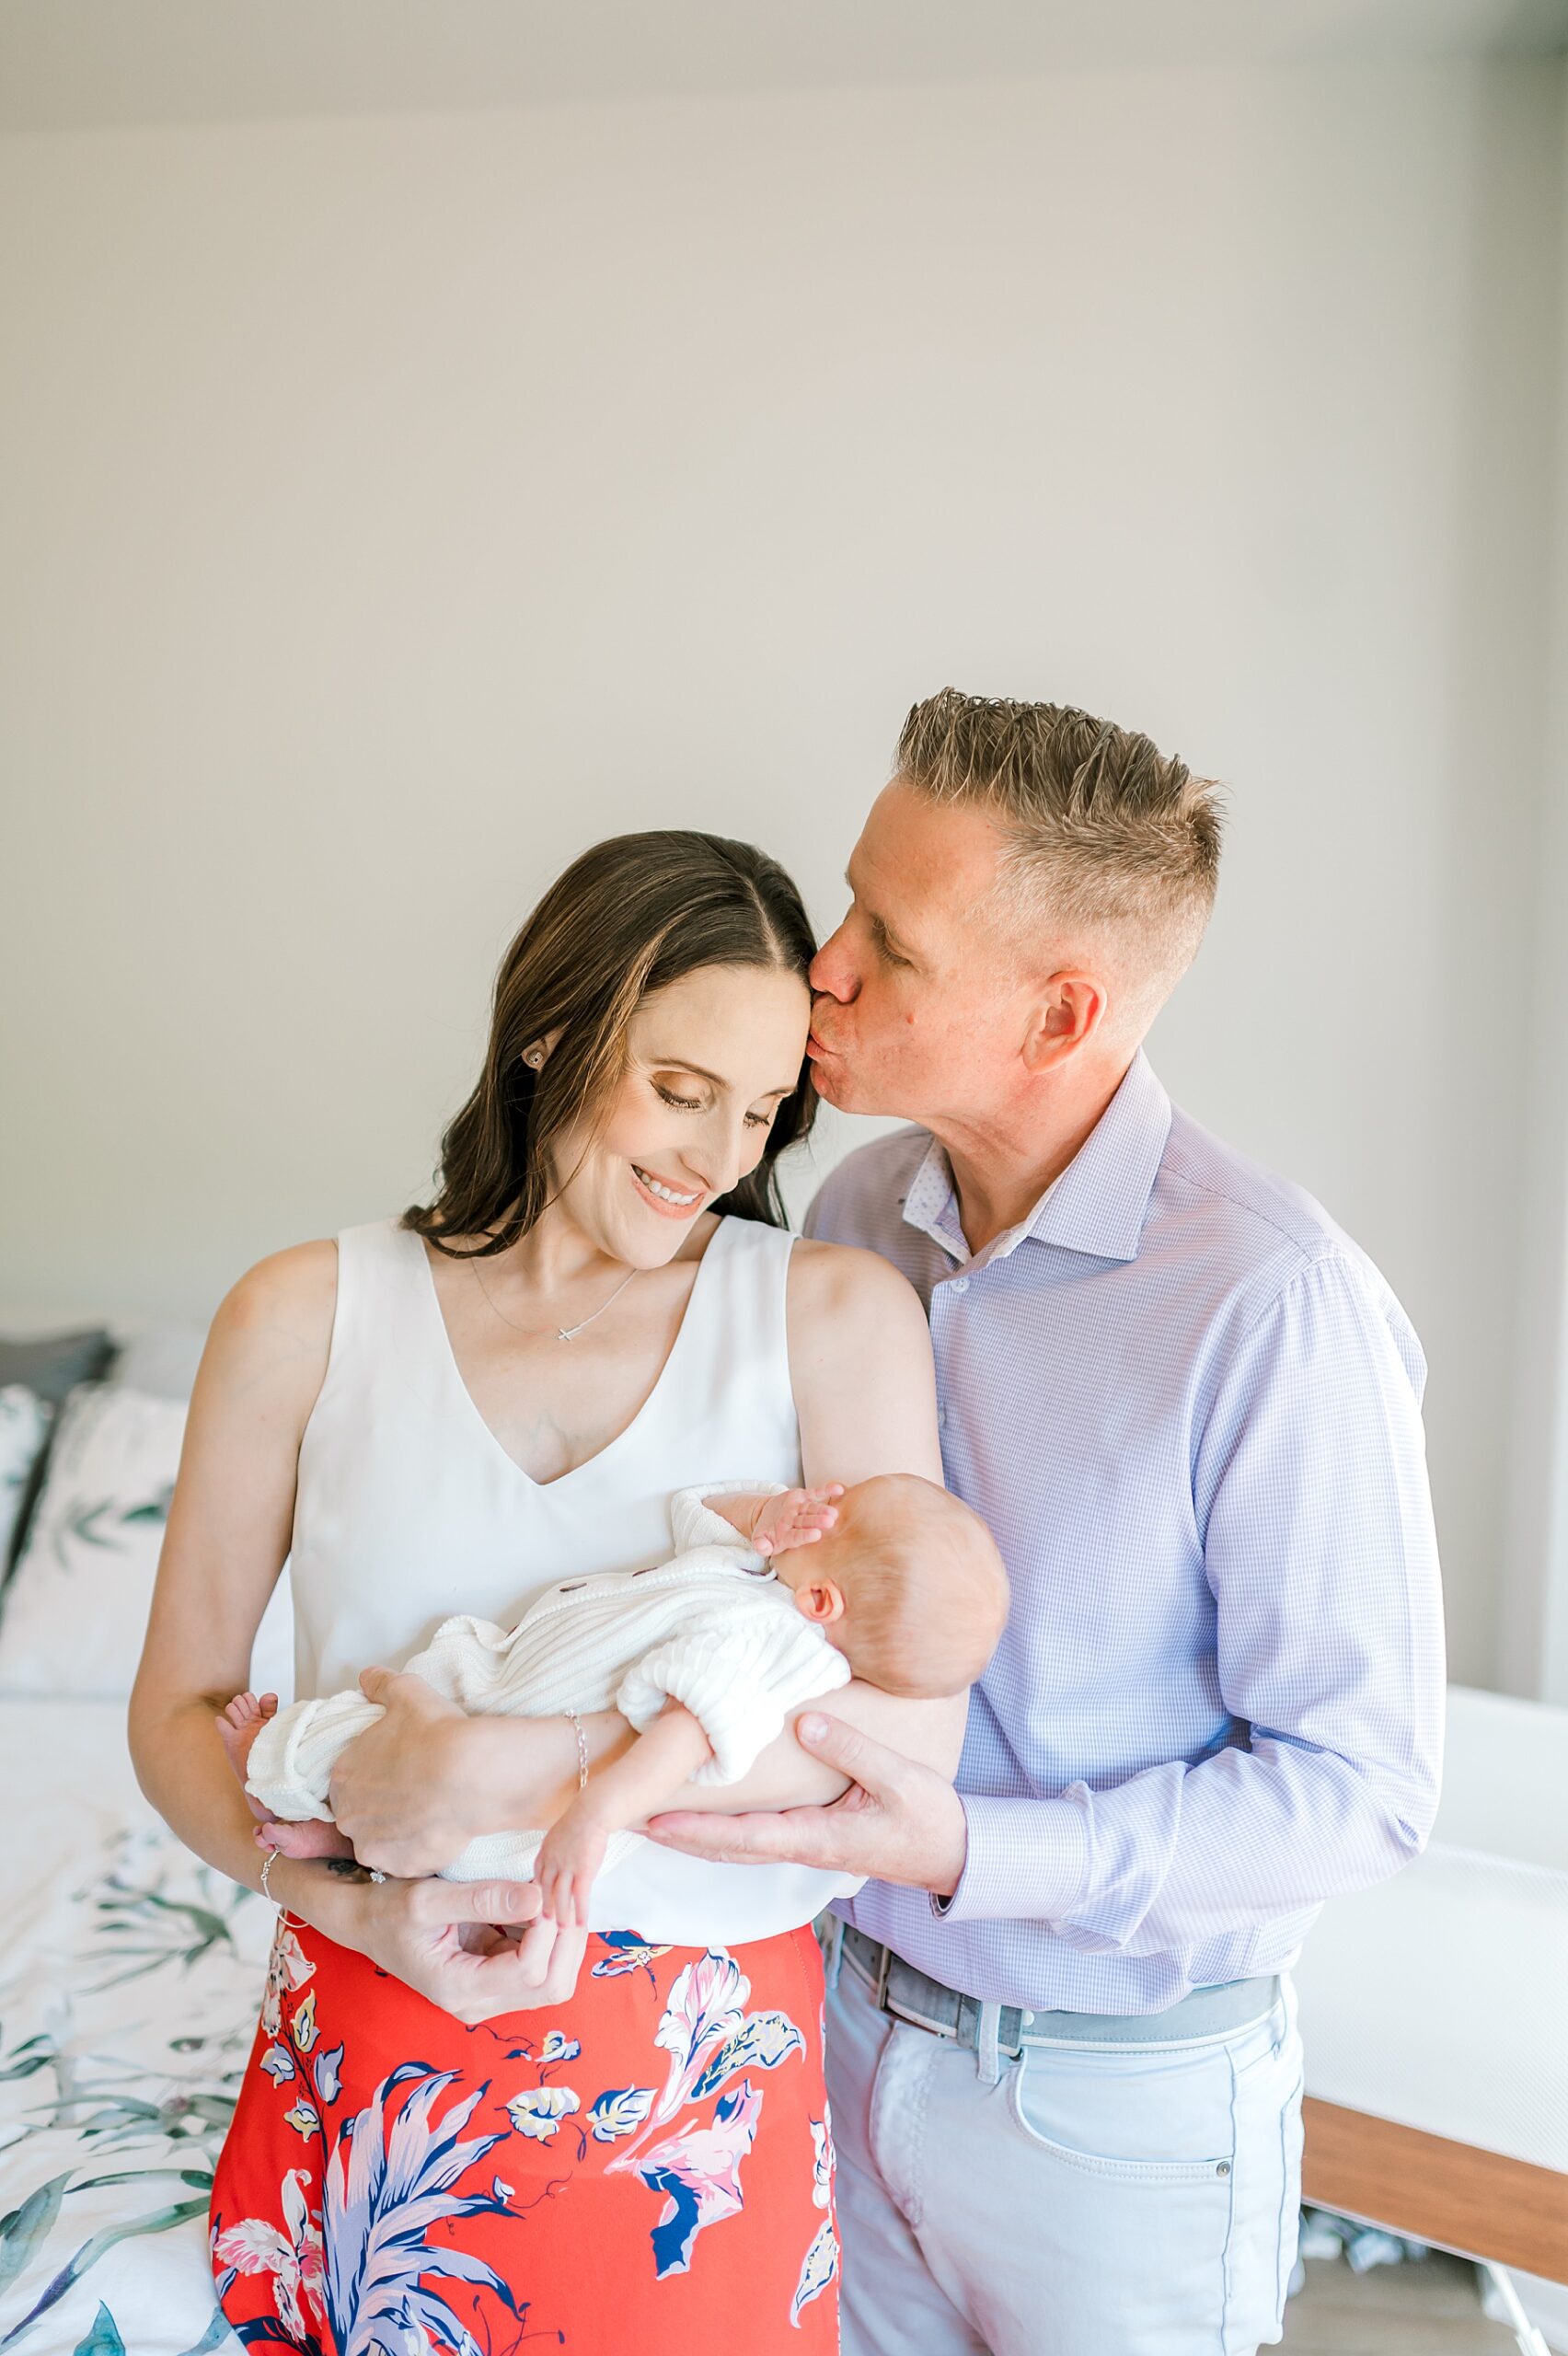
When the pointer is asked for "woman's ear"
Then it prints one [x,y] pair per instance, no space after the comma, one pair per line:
[821,1601]
[537,1053]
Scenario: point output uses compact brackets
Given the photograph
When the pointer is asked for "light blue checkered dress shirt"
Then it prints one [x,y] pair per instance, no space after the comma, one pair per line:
[1189,1409]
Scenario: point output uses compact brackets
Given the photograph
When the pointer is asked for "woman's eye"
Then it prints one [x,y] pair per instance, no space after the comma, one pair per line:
[760,1120]
[682,1103]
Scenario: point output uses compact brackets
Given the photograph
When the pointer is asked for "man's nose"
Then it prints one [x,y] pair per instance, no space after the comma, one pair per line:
[832,972]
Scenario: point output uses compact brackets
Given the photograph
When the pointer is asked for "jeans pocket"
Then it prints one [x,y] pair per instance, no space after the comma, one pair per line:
[1087,2156]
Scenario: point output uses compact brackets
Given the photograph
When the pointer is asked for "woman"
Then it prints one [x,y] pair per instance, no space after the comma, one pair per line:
[456,2121]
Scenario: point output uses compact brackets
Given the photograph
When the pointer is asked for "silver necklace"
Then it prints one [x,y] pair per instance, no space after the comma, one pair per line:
[563,1333]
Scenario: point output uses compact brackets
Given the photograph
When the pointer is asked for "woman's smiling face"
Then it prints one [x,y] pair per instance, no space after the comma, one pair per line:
[710,1059]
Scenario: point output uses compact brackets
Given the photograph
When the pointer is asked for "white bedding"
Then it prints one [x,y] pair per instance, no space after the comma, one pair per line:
[130,1978]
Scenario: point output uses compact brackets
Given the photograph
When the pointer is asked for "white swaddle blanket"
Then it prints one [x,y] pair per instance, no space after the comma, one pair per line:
[712,1628]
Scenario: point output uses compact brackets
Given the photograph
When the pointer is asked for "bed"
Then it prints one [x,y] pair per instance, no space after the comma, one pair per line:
[130,1983]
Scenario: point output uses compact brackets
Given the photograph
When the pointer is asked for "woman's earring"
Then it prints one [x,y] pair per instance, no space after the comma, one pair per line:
[534,1056]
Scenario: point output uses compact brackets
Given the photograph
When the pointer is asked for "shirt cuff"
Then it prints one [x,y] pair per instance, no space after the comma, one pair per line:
[1027,1862]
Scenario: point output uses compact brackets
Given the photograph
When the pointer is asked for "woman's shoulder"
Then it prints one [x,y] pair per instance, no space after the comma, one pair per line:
[276,1322]
[297,1282]
[842,1280]
[267,1349]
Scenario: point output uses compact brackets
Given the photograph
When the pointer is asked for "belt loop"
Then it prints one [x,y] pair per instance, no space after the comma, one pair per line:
[834,1950]
[987,2053]
[884,1965]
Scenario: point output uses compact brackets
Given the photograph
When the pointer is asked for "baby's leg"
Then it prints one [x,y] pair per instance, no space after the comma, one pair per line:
[238,1726]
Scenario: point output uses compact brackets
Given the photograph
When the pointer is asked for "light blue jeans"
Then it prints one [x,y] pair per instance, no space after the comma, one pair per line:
[1135,2200]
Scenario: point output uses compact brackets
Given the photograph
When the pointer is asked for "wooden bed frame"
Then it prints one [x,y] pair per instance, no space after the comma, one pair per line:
[1453,2195]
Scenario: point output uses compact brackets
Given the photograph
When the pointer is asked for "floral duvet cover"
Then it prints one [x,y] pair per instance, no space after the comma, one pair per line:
[130,1976]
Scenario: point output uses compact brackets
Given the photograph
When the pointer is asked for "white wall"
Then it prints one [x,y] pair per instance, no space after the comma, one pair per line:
[1533,1655]
[390,507]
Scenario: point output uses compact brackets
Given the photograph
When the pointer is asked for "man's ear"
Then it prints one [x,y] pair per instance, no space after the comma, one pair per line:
[1066,1017]
[821,1601]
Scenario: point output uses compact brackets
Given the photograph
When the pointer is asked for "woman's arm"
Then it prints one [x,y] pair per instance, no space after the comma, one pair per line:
[229,1528]
[873,1791]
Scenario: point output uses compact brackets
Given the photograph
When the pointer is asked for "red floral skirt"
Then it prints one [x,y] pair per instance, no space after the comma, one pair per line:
[648,2167]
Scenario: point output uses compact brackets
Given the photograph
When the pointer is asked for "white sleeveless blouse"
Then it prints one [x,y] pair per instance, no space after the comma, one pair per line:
[408,1508]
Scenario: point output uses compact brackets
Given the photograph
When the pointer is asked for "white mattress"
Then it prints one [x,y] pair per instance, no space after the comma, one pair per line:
[129,1976]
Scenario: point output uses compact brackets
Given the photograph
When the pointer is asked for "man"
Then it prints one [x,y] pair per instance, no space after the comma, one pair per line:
[1063,2058]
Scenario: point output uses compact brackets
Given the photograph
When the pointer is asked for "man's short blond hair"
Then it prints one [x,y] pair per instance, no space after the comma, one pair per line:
[1104,832]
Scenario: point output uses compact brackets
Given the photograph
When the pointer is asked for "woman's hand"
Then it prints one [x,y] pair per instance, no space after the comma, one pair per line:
[476,1950]
[403,1791]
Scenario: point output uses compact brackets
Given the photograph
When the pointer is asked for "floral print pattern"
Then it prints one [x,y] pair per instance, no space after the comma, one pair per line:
[447,2207]
[128,1995]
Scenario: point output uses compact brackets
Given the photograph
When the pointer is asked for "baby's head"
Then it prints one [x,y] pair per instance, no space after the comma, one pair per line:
[908,1585]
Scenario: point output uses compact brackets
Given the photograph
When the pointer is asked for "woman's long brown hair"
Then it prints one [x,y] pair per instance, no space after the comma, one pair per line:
[630,917]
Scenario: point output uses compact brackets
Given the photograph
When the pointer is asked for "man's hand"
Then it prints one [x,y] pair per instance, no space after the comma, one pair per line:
[897,1822]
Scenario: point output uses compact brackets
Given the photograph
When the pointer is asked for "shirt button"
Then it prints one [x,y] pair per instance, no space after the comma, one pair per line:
[960,1284]
[942,1418]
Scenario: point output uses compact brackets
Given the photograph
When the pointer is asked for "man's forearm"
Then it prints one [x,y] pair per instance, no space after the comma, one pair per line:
[1179,1854]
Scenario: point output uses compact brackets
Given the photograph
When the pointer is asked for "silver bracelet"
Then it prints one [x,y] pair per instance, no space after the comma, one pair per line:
[287,1920]
[582,1748]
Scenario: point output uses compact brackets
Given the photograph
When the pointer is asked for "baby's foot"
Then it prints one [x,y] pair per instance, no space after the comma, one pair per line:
[312,1840]
[238,1726]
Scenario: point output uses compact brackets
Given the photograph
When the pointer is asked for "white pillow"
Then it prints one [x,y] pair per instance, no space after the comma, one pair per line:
[24,1426]
[76,1607]
[75,1610]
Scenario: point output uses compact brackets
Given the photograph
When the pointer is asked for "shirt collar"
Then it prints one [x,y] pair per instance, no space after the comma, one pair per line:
[1098,1203]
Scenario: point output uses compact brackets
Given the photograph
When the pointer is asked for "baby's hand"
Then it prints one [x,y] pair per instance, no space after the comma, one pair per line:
[797,1518]
[570,1857]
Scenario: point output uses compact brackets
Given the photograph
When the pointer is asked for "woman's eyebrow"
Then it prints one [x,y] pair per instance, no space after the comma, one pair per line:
[680,1063]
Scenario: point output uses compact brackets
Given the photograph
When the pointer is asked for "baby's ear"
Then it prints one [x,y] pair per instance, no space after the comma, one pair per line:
[821,1601]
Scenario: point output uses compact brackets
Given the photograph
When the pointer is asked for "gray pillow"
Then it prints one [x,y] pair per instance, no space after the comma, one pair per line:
[50,1365]
[53,1364]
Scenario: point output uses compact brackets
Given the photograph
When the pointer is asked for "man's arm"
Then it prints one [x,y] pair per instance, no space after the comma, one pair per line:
[1313,1501]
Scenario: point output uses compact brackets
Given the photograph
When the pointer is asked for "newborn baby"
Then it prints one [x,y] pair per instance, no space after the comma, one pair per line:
[705,1655]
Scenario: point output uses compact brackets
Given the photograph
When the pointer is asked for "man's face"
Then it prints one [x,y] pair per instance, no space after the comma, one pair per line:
[921,1001]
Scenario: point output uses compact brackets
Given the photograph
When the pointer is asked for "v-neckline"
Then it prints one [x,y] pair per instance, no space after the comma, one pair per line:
[599,1455]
